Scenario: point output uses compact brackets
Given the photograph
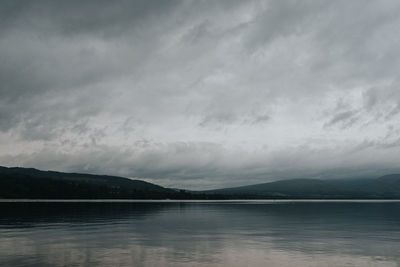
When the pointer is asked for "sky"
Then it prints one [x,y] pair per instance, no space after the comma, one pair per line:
[201,94]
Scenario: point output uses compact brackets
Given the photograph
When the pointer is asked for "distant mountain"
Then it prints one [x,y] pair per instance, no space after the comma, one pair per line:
[387,186]
[383,187]
[287,188]
[350,183]
[28,183]
[33,183]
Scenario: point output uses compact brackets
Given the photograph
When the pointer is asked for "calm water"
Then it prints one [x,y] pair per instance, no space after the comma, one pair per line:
[200,234]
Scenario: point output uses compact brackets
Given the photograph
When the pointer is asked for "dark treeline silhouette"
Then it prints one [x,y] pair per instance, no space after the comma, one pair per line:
[28,183]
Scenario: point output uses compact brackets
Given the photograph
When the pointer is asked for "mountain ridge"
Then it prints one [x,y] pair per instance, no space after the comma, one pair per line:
[31,183]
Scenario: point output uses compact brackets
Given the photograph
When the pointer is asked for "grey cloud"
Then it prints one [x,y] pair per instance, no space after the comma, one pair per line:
[386,96]
[282,19]
[229,118]
[200,93]
[345,119]
[197,33]
[257,119]
[219,118]
[102,18]
[59,74]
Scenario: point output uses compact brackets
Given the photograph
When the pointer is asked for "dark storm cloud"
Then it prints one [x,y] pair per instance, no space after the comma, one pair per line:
[201,93]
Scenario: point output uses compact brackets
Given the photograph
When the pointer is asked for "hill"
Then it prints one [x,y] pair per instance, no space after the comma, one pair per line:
[294,188]
[35,184]
[384,187]
[387,186]
[29,183]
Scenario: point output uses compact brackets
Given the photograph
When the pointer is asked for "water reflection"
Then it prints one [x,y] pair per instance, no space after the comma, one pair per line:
[200,234]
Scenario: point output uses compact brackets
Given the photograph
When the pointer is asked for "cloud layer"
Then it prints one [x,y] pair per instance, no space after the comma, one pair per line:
[201,94]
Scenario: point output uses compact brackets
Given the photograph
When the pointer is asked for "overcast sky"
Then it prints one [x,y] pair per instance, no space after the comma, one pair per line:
[201,94]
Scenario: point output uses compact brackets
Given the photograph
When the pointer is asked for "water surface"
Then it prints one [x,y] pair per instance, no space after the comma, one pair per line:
[236,233]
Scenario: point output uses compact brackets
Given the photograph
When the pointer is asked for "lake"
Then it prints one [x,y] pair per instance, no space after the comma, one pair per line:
[213,233]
